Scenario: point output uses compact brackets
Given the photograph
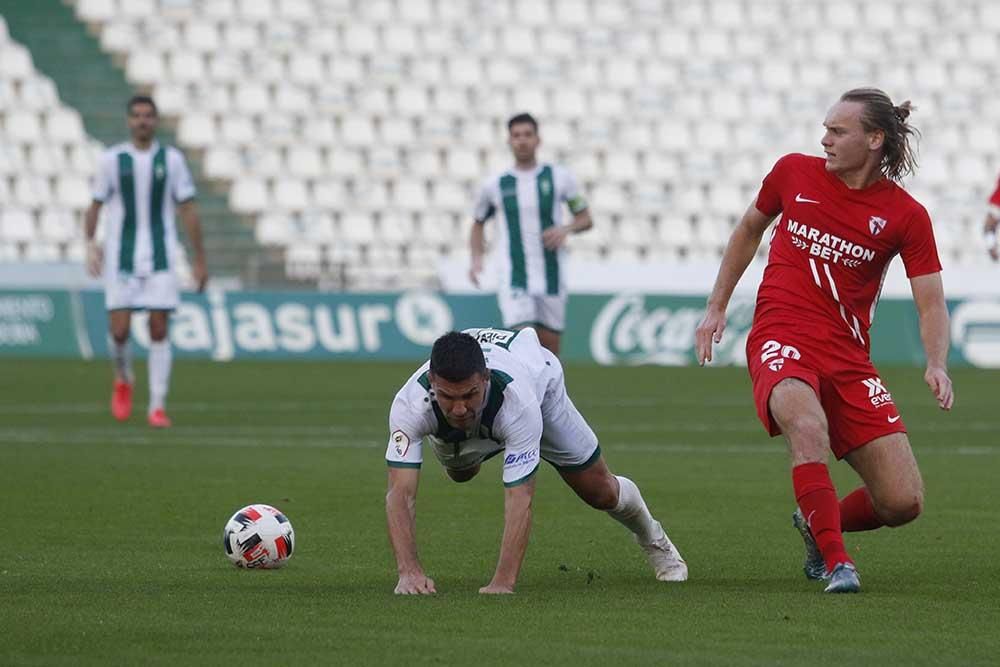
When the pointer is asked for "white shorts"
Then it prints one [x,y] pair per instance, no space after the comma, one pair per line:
[518,308]
[157,291]
[568,442]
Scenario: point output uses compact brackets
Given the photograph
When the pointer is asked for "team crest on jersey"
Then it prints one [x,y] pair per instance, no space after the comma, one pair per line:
[545,187]
[401,442]
[876,224]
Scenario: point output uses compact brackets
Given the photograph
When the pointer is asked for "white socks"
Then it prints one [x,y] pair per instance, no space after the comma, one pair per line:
[632,512]
[160,359]
[121,355]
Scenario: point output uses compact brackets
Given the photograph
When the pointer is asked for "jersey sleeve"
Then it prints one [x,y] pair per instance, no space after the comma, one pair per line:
[995,201]
[182,187]
[919,251]
[407,428]
[522,438]
[103,184]
[571,193]
[485,205]
[769,196]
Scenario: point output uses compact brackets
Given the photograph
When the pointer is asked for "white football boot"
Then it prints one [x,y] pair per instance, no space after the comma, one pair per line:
[664,557]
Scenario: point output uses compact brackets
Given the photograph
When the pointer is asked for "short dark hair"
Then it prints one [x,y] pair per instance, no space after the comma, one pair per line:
[142,99]
[522,118]
[456,357]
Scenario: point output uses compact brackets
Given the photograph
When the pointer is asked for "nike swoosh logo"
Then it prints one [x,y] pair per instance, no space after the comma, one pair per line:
[893,420]
[802,200]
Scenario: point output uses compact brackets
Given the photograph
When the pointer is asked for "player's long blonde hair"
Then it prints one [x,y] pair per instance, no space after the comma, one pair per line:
[899,157]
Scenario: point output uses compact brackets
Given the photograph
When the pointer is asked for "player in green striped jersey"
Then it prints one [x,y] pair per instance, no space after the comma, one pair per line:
[142,183]
[530,250]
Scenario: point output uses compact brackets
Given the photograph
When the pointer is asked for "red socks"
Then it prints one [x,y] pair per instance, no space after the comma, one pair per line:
[858,513]
[817,499]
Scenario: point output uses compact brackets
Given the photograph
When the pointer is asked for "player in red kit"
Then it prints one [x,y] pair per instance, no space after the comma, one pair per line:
[843,219]
[991,224]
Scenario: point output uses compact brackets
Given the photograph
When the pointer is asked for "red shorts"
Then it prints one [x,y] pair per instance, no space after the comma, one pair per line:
[858,406]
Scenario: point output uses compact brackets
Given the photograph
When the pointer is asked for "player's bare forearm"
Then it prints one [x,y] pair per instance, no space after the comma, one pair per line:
[581,222]
[516,530]
[401,513]
[991,224]
[740,251]
[990,234]
[477,240]
[928,295]
[192,226]
[90,218]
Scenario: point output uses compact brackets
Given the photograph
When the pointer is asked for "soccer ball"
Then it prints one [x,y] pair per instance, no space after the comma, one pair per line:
[259,536]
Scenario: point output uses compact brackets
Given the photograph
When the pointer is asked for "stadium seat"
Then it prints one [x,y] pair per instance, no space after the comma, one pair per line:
[59,226]
[273,229]
[290,194]
[248,196]
[23,127]
[145,68]
[72,192]
[328,195]
[17,225]
[64,126]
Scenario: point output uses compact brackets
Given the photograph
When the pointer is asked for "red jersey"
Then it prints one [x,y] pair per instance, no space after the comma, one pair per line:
[995,197]
[832,247]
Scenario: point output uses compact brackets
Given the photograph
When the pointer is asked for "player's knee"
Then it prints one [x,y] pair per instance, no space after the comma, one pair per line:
[901,509]
[120,336]
[157,333]
[463,475]
[808,438]
[603,497]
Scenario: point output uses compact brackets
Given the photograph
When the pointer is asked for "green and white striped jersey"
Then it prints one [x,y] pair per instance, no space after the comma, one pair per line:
[529,202]
[140,190]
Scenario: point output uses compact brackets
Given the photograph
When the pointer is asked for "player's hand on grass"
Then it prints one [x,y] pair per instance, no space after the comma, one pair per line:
[95,257]
[709,332]
[200,274]
[554,237]
[939,382]
[496,589]
[415,584]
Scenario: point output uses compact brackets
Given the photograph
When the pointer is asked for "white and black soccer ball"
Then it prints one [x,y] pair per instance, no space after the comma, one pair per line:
[259,536]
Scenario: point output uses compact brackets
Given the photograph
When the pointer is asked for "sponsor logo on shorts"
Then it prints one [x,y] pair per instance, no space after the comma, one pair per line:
[893,420]
[519,459]
[877,393]
[401,443]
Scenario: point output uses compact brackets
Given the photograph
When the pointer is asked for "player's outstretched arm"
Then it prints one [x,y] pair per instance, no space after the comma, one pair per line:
[516,529]
[928,294]
[742,246]
[401,513]
[192,226]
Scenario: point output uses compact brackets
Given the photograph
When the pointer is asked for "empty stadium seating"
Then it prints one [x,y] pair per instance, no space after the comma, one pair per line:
[354,133]
[46,160]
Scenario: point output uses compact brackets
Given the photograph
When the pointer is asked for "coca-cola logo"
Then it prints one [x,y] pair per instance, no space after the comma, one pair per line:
[626,332]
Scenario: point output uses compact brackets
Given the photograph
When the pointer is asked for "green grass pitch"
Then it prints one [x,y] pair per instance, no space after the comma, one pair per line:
[113,555]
